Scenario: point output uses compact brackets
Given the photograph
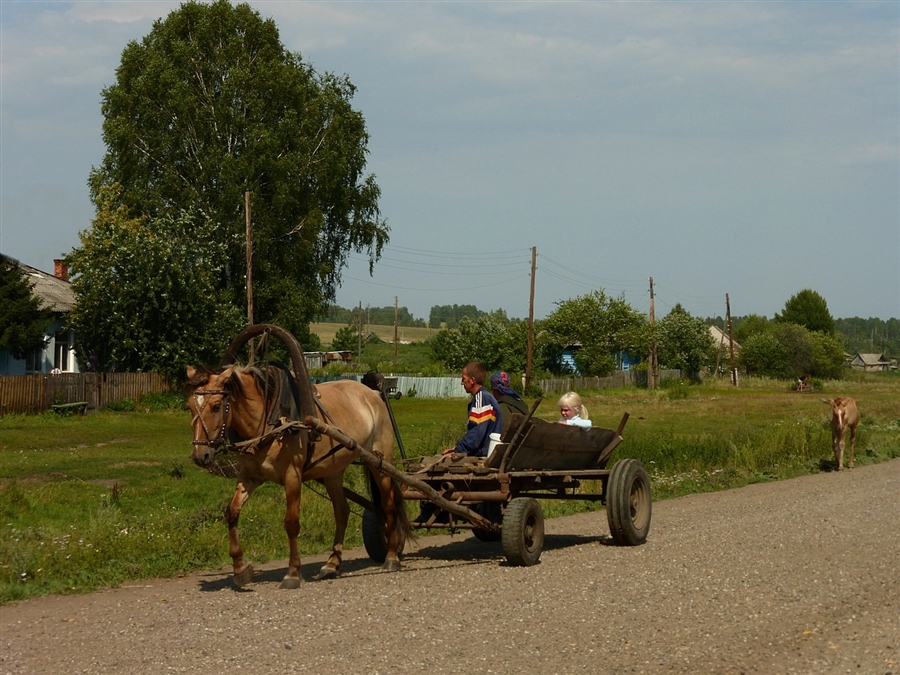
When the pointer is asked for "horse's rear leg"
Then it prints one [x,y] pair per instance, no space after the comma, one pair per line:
[243,571]
[852,446]
[396,525]
[334,485]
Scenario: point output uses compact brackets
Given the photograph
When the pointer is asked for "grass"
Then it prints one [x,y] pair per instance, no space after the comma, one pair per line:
[326,332]
[90,502]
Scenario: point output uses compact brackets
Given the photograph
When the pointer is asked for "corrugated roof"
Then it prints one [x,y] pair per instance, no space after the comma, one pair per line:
[871,359]
[54,293]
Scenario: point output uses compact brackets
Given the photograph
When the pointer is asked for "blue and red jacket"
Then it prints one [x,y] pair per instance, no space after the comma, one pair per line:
[484,420]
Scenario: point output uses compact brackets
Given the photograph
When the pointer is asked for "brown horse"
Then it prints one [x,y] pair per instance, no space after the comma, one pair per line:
[241,404]
[844,415]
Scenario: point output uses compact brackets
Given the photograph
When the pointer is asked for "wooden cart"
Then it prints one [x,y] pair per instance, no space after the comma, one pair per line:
[497,496]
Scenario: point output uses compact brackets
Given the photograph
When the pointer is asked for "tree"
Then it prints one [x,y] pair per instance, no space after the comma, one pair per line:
[684,342]
[762,354]
[749,325]
[210,105]
[809,309]
[148,291]
[601,325]
[23,321]
[489,339]
[346,339]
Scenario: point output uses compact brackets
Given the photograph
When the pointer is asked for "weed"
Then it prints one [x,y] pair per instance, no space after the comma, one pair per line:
[124,405]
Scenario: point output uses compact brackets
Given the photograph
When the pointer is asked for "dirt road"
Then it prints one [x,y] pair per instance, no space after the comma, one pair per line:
[801,576]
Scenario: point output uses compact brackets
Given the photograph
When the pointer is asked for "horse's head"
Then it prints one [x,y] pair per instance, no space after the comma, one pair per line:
[234,400]
[209,400]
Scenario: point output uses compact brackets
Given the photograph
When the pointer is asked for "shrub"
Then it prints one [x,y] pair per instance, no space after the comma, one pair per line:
[124,405]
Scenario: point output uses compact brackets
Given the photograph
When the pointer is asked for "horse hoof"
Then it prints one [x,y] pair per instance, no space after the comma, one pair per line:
[327,572]
[243,578]
[291,583]
[391,566]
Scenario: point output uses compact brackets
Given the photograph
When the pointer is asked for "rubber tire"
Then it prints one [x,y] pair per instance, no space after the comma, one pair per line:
[629,503]
[523,531]
[491,511]
[373,537]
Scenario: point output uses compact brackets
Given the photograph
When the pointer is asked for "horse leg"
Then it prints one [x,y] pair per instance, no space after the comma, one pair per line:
[292,489]
[392,523]
[852,445]
[334,485]
[839,450]
[243,571]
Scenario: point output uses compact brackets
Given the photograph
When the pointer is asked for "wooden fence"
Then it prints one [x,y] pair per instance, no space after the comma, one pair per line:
[31,394]
[627,378]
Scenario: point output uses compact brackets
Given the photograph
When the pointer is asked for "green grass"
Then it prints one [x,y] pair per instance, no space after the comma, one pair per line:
[90,502]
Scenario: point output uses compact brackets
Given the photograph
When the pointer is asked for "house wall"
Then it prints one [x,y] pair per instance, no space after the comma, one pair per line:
[46,359]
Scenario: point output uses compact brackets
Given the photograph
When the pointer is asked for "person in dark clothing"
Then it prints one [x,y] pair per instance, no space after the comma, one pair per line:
[510,402]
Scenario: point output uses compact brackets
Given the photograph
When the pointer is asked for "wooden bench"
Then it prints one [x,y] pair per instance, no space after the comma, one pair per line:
[78,407]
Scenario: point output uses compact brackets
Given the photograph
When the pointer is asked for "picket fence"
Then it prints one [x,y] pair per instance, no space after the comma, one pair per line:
[31,394]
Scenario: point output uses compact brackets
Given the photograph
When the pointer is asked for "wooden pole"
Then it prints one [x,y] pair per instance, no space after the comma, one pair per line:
[359,333]
[734,378]
[249,268]
[653,365]
[396,321]
[377,463]
[531,317]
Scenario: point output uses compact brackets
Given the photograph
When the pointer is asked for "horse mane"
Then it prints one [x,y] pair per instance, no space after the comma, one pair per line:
[263,378]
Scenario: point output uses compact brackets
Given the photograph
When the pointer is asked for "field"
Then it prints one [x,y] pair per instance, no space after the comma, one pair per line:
[89,502]
[326,332]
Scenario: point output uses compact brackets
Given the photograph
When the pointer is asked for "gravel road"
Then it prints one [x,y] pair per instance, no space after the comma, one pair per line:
[800,576]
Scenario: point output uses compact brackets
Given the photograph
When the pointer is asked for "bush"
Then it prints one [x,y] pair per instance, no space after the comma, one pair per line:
[124,405]
[165,400]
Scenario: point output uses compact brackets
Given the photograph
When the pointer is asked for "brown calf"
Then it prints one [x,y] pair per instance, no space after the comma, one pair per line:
[844,415]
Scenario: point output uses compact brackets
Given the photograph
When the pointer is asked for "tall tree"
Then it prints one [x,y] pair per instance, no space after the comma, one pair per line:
[684,341]
[209,105]
[147,291]
[602,325]
[22,319]
[809,309]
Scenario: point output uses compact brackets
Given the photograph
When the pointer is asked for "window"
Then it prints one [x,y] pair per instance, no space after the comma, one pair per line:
[61,351]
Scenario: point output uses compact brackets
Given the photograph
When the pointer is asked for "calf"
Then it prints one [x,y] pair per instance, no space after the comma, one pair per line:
[844,415]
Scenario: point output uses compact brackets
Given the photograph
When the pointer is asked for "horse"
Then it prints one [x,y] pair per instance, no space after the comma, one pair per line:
[240,407]
[844,415]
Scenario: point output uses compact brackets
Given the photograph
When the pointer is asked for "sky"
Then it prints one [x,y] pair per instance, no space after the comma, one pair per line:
[742,148]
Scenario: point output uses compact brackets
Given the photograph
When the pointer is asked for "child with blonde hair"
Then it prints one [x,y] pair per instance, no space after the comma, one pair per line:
[572,411]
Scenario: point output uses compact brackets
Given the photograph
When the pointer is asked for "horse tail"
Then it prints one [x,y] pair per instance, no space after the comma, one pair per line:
[401,519]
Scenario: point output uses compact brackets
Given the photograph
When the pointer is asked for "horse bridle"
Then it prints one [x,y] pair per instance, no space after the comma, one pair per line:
[221,439]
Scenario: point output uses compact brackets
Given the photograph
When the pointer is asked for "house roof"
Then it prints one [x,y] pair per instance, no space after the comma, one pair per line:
[720,337]
[54,293]
[870,359]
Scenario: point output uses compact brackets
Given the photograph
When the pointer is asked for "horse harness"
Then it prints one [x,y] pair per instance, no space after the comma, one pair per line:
[279,424]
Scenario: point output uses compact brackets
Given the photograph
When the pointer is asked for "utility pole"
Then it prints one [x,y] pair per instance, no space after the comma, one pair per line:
[531,317]
[249,268]
[734,378]
[359,333]
[653,366]
[396,320]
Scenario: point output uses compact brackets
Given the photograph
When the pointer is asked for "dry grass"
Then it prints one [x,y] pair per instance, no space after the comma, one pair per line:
[326,332]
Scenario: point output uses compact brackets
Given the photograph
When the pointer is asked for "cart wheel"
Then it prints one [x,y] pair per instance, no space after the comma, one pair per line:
[373,537]
[523,531]
[493,512]
[628,503]
[398,395]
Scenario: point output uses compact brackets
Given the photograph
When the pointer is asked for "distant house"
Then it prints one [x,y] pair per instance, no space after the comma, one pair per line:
[314,359]
[624,360]
[869,362]
[721,339]
[58,353]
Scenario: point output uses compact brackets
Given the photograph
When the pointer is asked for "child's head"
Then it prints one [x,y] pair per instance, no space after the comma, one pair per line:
[570,405]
